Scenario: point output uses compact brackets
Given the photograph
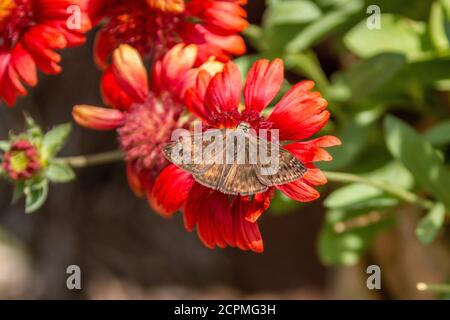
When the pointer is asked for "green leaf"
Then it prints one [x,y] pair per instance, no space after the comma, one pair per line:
[446,7]
[59,173]
[439,135]
[291,12]
[35,194]
[33,130]
[438,33]
[430,225]
[369,75]
[345,248]
[18,191]
[4,145]
[308,65]
[354,138]
[254,35]
[397,34]
[54,140]
[277,37]
[419,157]
[358,195]
[328,23]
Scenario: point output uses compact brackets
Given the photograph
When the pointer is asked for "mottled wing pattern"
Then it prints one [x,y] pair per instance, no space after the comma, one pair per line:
[192,166]
[240,179]
[290,169]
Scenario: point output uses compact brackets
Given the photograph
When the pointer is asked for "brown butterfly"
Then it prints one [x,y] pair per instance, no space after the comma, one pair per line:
[234,168]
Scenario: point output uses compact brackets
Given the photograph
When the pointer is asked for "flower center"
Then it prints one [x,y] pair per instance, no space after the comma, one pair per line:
[150,26]
[15,18]
[147,129]
[19,161]
[245,120]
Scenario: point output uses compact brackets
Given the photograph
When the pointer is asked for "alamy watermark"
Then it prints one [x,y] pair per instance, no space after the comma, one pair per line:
[374,280]
[73,281]
[73,22]
[374,20]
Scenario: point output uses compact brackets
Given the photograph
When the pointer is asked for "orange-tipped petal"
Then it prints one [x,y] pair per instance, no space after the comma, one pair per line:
[98,118]
[130,72]
[167,6]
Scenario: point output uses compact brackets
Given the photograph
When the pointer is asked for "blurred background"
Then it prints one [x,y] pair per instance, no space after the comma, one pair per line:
[315,251]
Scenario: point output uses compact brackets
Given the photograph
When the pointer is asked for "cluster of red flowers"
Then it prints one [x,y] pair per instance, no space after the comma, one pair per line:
[188,45]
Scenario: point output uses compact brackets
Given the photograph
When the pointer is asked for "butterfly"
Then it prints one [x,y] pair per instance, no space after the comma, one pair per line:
[234,161]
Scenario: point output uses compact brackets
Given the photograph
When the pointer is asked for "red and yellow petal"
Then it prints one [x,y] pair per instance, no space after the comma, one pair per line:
[264,80]
[130,72]
[170,74]
[98,118]
[313,150]
[224,90]
[104,45]
[112,93]
[299,190]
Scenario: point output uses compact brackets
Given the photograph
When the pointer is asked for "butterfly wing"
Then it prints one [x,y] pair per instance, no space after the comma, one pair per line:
[241,179]
[236,178]
[289,168]
[195,167]
[233,178]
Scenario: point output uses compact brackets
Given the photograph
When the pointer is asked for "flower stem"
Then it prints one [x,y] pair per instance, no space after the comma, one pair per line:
[92,160]
[399,193]
[440,288]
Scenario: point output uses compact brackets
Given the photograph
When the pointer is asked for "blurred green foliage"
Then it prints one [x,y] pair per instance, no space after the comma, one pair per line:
[388,90]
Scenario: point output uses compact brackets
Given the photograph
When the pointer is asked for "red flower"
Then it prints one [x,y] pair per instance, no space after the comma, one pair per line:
[21,161]
[30,32]
[222,220]
[154,26]
[144,116]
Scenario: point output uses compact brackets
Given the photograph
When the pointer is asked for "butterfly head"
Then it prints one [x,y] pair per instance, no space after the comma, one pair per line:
[244,126]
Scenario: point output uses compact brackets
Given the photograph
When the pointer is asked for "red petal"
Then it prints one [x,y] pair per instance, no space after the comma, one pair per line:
[104,44]
[314,177]
[247,233]
[171,188]
[24,65]
[311,151]
[195,96]
[133,181]
[264,80]
[223,219]
[299,191]
[224,90]
[112,92]
[130,72]
[7,90]
[260,203]
[169,74]
[195,204]
[300,113]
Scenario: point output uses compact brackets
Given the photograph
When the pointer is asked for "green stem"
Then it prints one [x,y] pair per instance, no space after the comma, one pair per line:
[439,288]
[92,160]
[388,188]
